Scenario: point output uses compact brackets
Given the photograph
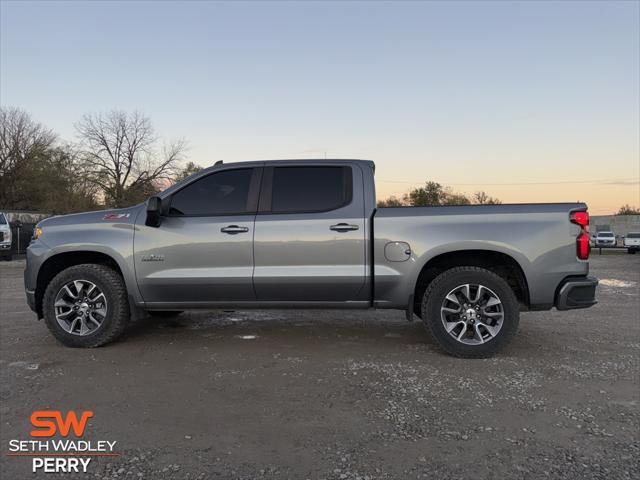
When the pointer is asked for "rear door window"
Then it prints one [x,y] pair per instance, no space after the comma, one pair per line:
[310,189]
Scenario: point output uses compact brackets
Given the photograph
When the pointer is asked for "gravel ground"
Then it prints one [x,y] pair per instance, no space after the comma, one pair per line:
[338,395]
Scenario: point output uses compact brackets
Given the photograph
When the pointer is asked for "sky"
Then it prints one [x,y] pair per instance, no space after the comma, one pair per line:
[528,101]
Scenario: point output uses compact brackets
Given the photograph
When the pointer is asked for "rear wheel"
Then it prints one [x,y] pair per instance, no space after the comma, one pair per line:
[470,311]
[86,306]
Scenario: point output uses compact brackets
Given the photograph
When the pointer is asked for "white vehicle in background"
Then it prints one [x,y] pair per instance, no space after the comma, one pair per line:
[605,239]
[632,242]
[5,237]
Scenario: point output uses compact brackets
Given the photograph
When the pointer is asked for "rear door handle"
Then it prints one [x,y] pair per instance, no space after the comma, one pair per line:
[233,229]
[343,227]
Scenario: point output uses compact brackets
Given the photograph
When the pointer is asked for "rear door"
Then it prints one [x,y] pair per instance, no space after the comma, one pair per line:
[203,250]
[309,240]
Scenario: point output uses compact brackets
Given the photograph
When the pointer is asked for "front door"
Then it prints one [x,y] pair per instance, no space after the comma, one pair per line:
[309,239]
[203,250]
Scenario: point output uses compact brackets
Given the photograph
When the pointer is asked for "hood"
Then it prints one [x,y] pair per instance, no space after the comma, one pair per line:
[116,215]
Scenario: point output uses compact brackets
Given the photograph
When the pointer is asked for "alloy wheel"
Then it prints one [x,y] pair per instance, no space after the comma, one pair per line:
[80,307]
[472,314]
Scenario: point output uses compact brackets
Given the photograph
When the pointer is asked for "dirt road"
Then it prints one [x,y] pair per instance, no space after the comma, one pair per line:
[338,395]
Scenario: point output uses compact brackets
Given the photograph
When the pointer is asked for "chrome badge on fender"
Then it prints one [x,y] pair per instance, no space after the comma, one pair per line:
[153,258]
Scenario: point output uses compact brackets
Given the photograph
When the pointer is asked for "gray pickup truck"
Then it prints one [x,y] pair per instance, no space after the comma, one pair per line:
[307,234]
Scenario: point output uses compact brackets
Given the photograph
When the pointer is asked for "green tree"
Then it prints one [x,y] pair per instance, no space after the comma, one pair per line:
[432,193]
[628,210]
[456,199]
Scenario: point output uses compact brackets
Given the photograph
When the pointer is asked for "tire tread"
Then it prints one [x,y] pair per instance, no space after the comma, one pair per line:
[460,350]
[118,318]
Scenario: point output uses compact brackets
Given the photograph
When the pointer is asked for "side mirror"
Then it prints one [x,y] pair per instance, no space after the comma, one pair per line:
[154,213]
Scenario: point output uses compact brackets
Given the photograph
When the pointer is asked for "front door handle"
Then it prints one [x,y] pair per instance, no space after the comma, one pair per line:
[233,229]
[343,227]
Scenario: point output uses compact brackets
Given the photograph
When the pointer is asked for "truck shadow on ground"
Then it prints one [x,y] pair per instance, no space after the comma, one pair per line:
[315,325]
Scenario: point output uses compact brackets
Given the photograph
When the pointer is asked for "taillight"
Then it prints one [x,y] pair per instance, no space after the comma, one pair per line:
[582,246]
[582,241]
[580,218]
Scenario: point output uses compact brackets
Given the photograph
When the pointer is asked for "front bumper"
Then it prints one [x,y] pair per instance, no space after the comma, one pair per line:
[576,292]
[31,299]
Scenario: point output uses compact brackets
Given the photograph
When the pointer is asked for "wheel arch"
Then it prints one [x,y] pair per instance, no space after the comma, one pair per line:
[60,261]
[499,263]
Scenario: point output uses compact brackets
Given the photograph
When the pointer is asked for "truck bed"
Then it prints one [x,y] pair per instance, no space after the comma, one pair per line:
[539,237]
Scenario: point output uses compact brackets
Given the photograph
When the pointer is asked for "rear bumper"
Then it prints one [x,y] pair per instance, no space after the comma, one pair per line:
[576,292]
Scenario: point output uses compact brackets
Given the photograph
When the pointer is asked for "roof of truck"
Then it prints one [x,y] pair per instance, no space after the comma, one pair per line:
[220,165]
[369,163]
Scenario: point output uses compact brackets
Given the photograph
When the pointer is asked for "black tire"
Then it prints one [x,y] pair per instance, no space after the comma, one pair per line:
[163,313]
[631,250]
[115,292]
[7,258]
[439,288]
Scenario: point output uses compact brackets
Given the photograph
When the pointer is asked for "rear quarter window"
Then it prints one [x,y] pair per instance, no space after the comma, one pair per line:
[3,221]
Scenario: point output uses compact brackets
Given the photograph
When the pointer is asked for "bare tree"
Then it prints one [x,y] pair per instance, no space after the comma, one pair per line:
[23,142]
[391,201]
[120,155]
[481,198]
[189,169]
[20,136]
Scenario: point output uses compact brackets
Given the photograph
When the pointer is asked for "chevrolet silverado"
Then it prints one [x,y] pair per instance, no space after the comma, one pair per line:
[307,234]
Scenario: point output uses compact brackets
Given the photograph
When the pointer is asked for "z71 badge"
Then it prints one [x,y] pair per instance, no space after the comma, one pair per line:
[116,216]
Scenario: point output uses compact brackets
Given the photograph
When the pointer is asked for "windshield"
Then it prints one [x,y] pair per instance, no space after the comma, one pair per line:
[3,221]
[633,235]
[605,234]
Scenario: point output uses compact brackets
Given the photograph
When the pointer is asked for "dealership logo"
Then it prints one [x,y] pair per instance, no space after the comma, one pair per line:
[45,425]
[52,450]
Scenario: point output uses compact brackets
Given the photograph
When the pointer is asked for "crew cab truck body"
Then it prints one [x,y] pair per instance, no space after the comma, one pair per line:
[307,234]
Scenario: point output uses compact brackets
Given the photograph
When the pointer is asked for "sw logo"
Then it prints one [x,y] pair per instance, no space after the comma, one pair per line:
[61,454]
[50,422]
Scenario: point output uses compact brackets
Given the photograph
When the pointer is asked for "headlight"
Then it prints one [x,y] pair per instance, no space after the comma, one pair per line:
[37,232]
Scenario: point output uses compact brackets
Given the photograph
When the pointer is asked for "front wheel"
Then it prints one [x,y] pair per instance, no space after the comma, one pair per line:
[86,306]
[470,311]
